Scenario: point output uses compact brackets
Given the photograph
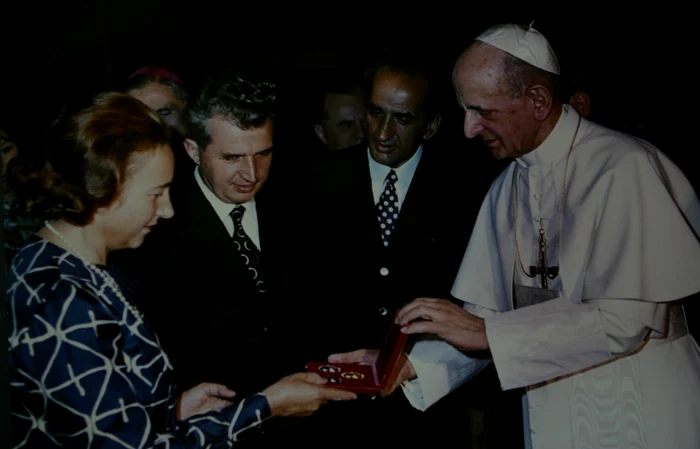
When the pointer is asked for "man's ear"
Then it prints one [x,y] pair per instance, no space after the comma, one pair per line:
[432,127]
[321,134]
[542,101]
[582,103]
[192,150]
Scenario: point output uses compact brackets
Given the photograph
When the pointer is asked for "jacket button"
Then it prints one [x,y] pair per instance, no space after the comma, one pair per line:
[383,311]
[384,271]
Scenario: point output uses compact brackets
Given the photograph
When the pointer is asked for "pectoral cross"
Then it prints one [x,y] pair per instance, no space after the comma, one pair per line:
[542,269]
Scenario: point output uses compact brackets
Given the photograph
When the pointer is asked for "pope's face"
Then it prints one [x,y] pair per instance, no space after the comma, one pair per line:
[505,124]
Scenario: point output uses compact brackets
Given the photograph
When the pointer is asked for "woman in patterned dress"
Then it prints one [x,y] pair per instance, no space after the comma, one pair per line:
[86,370]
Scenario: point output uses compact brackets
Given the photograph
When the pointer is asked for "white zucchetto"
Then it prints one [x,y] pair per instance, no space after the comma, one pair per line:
[524,43]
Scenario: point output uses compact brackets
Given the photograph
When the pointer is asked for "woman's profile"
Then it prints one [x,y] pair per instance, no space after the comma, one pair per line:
[86,370]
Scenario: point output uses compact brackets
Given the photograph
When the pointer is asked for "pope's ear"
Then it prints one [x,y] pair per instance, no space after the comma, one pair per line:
[582,103]
[542,101]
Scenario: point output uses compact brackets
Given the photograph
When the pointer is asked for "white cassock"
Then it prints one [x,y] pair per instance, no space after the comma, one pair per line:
[609,362]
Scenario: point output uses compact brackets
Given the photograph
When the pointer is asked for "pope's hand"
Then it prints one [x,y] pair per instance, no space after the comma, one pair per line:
[445,319]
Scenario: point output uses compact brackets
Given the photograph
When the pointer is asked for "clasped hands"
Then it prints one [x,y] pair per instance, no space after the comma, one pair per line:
[440,317]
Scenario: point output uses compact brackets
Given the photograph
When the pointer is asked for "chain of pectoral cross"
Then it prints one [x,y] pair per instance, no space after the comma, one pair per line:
[542,269]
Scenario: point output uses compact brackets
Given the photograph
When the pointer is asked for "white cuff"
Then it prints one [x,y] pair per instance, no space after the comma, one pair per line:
[440,369]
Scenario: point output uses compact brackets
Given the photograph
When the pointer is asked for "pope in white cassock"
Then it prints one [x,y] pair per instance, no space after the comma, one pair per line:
[582,251]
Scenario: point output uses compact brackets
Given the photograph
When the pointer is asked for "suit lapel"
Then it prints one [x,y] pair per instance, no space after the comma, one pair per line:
[267,225]
[207,234]
[414,216]
[364,198]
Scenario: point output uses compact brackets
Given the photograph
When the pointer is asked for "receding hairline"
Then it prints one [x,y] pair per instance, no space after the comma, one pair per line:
[493,59]
[401,71]
[514,75]
[491,53]
[405,74]
[232,120]
[224,118]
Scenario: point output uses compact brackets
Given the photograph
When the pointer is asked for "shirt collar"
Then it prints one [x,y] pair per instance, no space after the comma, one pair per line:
[404,172]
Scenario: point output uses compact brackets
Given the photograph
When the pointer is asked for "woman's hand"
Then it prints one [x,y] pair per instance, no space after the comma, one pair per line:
[301,394]
[203,398]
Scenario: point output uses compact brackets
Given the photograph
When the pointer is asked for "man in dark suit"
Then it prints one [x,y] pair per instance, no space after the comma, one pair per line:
[389,218]
[208,278]
[390,223]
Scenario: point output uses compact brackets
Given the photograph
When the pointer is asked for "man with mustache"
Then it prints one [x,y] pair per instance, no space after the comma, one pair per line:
[386,229]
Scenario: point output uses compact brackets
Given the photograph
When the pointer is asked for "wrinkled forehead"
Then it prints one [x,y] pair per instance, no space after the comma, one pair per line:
[479,70]
[229,138]
[480,61]
[399,92]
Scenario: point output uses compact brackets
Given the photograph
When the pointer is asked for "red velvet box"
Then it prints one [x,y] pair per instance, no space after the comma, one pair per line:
[366,379]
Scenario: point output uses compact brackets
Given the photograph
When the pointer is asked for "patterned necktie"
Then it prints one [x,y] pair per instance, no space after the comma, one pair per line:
[247,249]
[388,207]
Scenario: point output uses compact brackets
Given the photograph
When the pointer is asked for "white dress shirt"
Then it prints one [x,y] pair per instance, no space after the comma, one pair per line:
[404,173]
[223,210]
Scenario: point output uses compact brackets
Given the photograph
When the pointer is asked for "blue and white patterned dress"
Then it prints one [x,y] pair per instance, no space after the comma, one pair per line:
[85,373]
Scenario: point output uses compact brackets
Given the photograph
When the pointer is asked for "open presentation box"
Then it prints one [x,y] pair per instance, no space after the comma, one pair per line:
[366,379]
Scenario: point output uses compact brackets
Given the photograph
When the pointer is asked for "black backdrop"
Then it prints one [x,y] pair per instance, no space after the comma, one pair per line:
[53,51]
[60,51]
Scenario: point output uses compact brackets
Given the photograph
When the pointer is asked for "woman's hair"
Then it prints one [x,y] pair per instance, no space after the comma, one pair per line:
[88,158]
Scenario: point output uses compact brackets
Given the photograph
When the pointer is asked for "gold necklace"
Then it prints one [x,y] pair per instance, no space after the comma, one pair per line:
[543,242]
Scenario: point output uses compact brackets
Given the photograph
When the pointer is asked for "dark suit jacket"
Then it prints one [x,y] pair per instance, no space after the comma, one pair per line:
[359,283]
[355,284]
[193,288]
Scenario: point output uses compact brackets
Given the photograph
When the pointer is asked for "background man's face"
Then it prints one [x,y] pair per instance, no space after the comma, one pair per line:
[344,120]
[161,99]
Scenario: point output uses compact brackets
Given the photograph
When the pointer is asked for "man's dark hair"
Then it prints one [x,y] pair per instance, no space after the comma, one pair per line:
[244,99]
[412,66]
[339,82]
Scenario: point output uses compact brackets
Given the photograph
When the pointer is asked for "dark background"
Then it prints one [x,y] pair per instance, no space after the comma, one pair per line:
[64,51]
[56,51]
